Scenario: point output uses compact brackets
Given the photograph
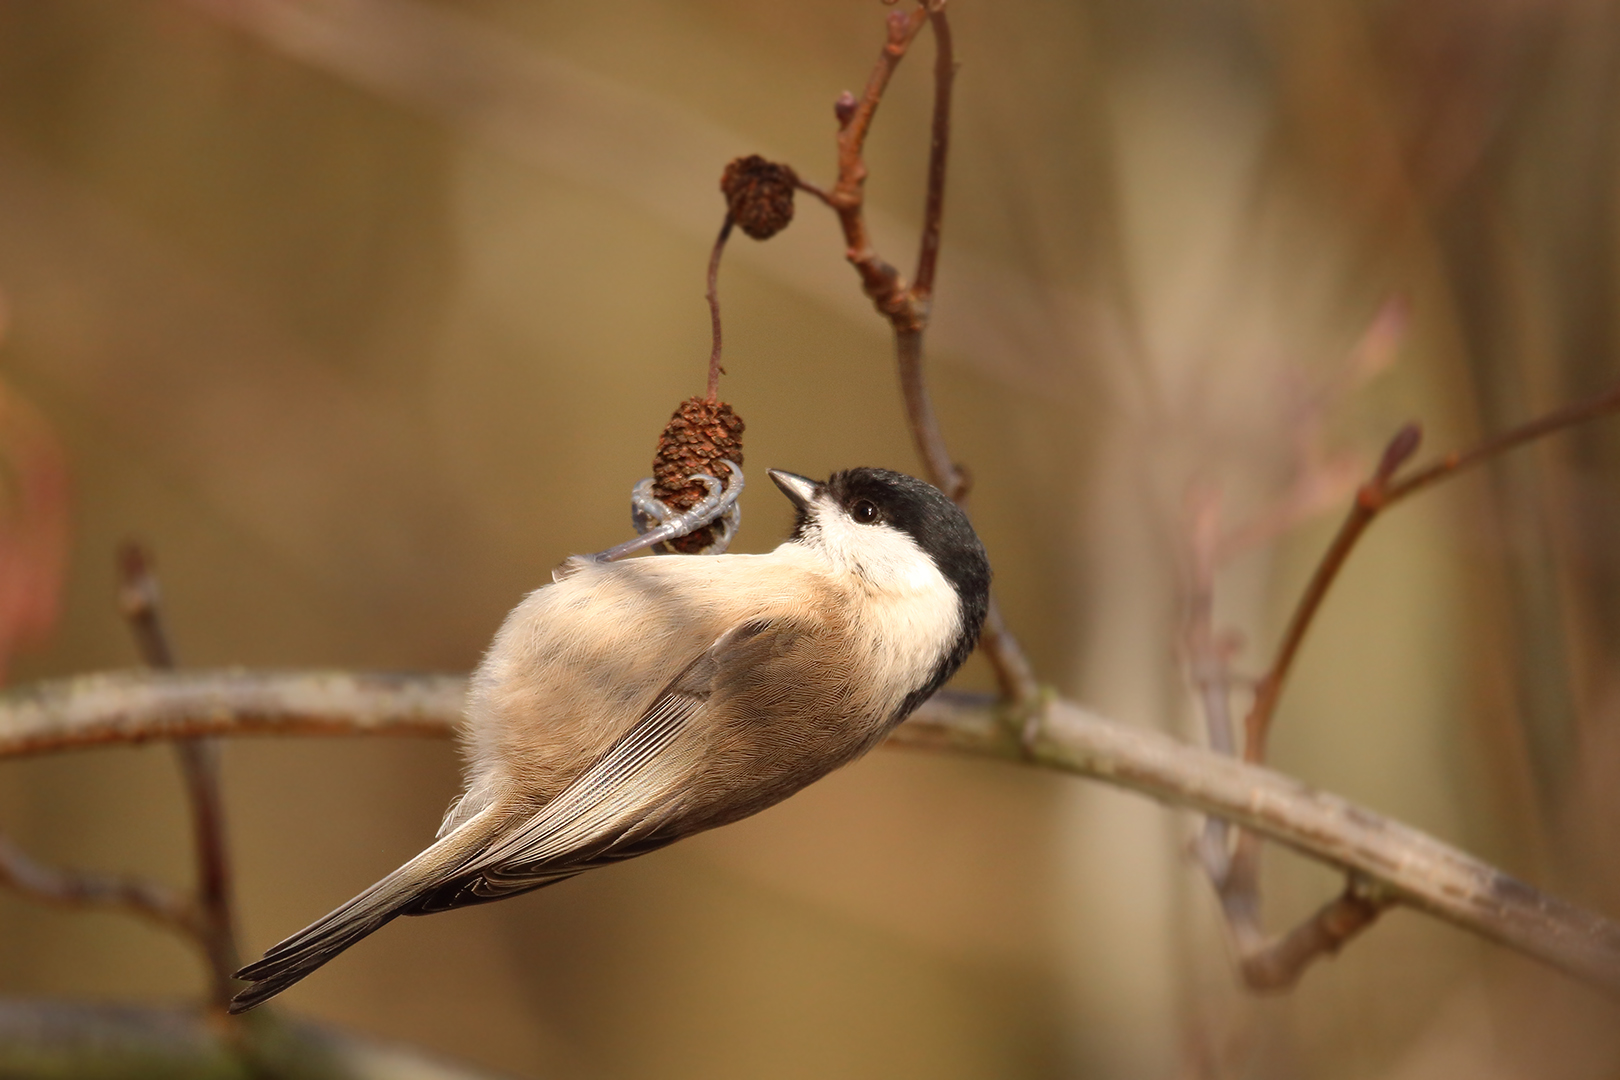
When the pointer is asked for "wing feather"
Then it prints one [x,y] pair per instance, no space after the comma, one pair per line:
[622,805]
[612,810]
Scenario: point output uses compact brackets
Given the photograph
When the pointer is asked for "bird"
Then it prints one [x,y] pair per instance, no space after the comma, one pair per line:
[627,705]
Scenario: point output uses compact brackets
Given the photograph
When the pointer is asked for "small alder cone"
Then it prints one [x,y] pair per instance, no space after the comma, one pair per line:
[696,439]
[759,194]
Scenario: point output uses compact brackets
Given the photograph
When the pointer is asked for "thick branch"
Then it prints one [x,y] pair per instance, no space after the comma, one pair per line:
[137,706]
[1398,864]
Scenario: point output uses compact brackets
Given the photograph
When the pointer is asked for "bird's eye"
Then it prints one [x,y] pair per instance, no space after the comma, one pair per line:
[865,512]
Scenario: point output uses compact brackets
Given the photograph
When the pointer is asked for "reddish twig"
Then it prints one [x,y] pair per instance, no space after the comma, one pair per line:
[1275,963]
[907,305]
[1558,420]
[1380,492]
[138,599]
[881,281]
[1370,500]
[715,370]
[1272,964]
[939,146]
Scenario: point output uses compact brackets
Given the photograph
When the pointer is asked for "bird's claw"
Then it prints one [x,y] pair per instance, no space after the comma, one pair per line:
[719,507]
[658,523]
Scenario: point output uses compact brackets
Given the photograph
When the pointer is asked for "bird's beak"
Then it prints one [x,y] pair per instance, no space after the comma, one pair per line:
[799,490]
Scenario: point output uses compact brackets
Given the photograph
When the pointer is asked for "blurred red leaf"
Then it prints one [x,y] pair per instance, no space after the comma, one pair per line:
[34,526]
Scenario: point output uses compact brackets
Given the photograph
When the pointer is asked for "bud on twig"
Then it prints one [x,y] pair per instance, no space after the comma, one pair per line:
[844,109]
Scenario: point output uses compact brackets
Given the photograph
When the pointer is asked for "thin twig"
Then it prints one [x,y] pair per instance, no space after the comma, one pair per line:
[925,431]
[1370,500]
[84,889]
[939,146]
[1398,863]
[1380,492]
[1275,963]
[1558,420]
[907,306]
[715,370]
[139,600]
[882,283]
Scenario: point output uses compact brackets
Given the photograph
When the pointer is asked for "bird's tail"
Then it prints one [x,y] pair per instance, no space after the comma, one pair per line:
[319,942]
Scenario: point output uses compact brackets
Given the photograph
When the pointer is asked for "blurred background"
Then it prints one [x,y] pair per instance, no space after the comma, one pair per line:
[365,313]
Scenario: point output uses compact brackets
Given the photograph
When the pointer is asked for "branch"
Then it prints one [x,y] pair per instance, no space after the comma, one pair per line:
[214,926]
[881,281]
[83,889]
[939,146]
[713,296]
[907,307]
[1370,501]
[1271,964]
[1277,963]
[40,1038]
[1558,420]
[138,706]
[1396,863]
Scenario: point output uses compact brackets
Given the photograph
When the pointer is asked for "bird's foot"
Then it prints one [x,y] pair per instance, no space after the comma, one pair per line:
[657,522]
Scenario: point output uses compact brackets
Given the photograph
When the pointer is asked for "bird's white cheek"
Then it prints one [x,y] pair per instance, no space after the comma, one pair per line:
[921,578]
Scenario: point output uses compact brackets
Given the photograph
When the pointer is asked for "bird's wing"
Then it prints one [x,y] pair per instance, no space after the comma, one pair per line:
[608,813]
[612,810]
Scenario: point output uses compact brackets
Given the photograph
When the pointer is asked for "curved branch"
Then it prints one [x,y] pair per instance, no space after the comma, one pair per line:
[1394,863]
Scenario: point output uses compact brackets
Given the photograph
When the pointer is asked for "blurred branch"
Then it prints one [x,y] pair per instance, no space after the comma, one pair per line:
[1558,420]
[138,599]
[1265,963]
[1276,963]
[138,706]
[40,1038]
[83,889]
[1396,863]
[1370,501]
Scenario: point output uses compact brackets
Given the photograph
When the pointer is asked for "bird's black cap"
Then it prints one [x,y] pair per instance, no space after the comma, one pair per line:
[934,522]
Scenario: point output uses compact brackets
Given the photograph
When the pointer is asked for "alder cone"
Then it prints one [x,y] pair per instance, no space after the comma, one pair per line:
[696,439]
[759,194]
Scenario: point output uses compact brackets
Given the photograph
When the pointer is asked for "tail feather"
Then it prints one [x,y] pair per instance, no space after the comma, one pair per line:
[294,958]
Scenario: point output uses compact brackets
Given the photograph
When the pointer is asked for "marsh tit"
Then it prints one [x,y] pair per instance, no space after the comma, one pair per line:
[630,704]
